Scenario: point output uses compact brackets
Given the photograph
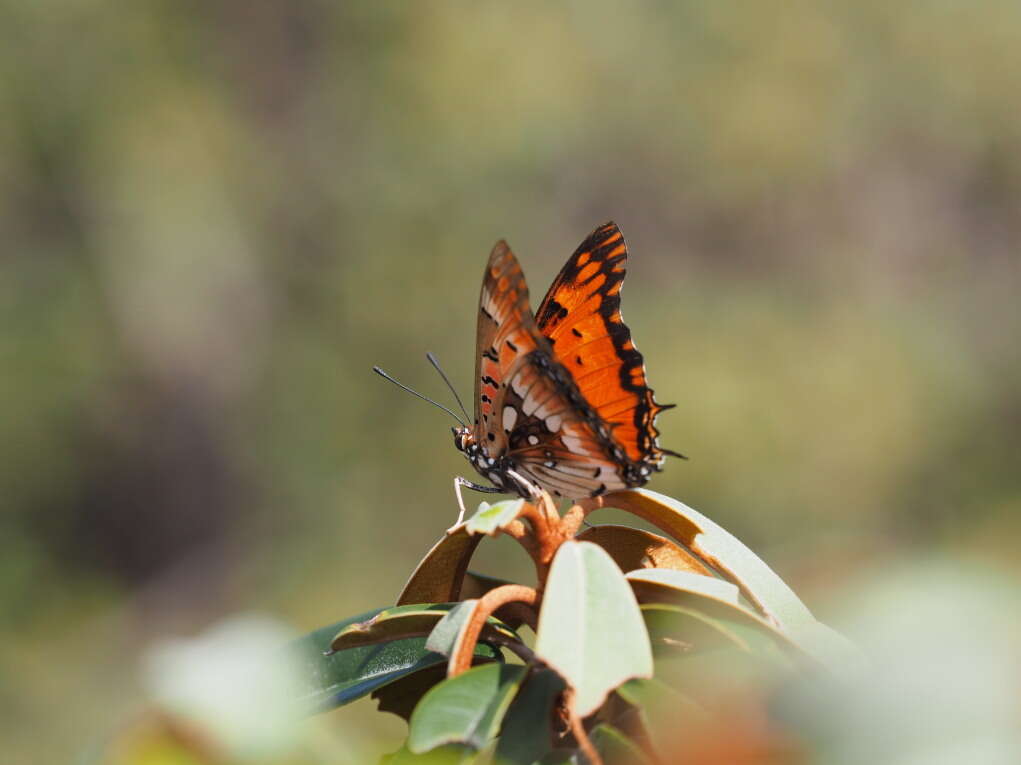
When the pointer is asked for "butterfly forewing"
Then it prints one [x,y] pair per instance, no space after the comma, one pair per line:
[580,316]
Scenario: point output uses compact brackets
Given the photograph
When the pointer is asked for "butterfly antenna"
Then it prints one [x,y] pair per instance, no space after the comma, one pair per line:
[402,386]
[436,364]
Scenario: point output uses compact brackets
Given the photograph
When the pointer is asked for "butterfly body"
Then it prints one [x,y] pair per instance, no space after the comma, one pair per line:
[561,402]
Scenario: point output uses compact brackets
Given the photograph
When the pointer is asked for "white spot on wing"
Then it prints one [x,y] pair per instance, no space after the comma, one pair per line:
[510,416]
[533,440]
[554,422]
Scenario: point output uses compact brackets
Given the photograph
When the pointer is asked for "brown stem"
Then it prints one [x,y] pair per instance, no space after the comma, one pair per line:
[522,651]
[488,603]
[579,732]
[574,517]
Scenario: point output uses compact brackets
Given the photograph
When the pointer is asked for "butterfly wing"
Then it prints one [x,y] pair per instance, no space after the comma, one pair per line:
[580,316]
[505,335]
[527,407]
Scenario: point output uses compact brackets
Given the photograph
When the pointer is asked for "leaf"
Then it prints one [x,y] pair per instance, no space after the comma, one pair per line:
[447,634]
[401,696]
[562,757]
[681,585]
[528,727]
[467,709]
[719,549]
[686,631]
[438,577]
[340,678]
[453,754]
[490,519]
[665,713]
[634,549]
[769,594]
[713,598]
[475,585]
[617,748]
[590,628]
[406,621]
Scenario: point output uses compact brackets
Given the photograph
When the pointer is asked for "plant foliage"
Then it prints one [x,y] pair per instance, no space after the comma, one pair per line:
[624,620]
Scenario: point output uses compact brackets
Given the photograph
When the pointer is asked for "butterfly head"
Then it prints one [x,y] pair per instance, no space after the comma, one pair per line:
[463,439]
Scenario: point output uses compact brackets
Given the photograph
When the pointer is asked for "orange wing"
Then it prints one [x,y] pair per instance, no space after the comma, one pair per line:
[580,316]
[505,335]
[527,407]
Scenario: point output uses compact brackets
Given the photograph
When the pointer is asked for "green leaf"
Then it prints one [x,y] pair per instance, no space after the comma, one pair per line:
[562,757]
[406,621]
[665,713]
[342,677]
[721,549]
[453,754]
[712,598]
[774,601]
[440,574]
[617,748]
[528,727]
[686,630]
[401,696]
[489,519]
[590,628]
[680,583]
[448,633]
[467,709]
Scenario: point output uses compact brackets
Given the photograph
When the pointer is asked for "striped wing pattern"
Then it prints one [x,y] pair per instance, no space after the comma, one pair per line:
[561,398]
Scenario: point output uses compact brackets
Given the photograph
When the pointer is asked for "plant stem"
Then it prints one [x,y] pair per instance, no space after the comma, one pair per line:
[579,732]
[488,603]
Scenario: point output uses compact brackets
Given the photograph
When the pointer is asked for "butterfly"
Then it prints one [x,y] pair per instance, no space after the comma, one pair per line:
[561,398]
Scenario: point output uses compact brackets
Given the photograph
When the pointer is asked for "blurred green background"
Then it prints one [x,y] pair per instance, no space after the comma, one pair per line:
[217,216]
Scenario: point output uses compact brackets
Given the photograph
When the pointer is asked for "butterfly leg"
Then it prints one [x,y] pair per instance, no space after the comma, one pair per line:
[458,483]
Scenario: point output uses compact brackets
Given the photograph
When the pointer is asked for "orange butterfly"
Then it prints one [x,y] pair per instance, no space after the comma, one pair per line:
[561,400]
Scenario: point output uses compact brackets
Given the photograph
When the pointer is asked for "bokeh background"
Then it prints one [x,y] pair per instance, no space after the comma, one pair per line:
[216,216]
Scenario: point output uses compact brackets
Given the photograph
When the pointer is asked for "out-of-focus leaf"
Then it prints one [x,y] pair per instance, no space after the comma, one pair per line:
[719,600]
[634,548]
[489,519]
[617,748]
[769,594]
[438,577]
[685,630]
[452,754]
[467,709]
[528,727]
[665,712]
[342,677]
[561,757]
[590,628]
[403,622]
